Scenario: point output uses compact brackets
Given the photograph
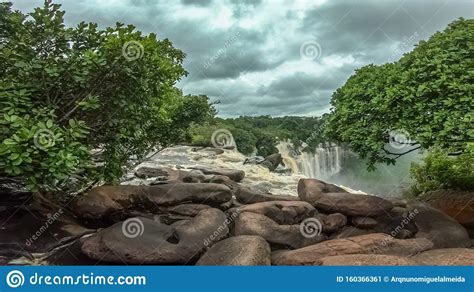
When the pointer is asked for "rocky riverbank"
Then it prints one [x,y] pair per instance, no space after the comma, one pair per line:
[205,207]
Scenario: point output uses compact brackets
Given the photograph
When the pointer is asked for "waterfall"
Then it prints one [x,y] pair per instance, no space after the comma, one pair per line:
[323,163]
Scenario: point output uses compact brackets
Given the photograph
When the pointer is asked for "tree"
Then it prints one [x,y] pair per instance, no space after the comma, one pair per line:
[423,100]
[66,91]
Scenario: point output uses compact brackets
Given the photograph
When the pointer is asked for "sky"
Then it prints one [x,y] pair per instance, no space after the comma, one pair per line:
[273,57]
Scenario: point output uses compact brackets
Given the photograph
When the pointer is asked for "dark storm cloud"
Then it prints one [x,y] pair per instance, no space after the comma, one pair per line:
[247,54]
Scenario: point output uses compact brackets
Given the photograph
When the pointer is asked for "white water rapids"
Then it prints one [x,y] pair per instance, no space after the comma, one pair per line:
[255,175]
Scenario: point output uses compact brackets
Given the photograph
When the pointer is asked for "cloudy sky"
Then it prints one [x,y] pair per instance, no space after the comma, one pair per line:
[274,57]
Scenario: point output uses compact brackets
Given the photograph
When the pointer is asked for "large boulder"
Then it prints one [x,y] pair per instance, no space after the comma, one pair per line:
[376,243]
[397,222]
[352,204]
[272,161]
[364,222]
[143,241]
[457,204]
[446,257]
[334,222]
[234,174]
[310,189]
[248,195]
[282,212]
[350,231]
[105,202]
[165,173]
[366,260]
[249,223]
[244,250]
[439,228]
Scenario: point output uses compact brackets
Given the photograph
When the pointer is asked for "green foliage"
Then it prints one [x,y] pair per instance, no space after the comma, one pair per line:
[441,171]
[427,94]
[262,134]
[65,91]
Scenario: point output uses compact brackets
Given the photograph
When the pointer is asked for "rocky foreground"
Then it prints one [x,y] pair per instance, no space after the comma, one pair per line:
[214,216]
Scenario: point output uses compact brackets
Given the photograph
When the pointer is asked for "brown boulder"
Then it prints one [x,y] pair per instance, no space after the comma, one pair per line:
[376,243]
[334,222]
[248,195]
[144,241]
[366,260]
[244,250]
[249,223]
[364,222]
[352,204]
[310,189]
[457,204]
[282,212]
[165,173]
[350,231]
[446,257]
[439,228]
[103,201]
[272,161]
[233,174]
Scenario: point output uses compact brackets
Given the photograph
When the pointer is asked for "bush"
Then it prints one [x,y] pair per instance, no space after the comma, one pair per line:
[65,91]
[441,171]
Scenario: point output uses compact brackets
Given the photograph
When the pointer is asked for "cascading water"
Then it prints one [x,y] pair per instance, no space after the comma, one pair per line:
[322,164]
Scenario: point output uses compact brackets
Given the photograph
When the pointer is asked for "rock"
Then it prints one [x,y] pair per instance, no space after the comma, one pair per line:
[282,212]
[247,195]
[163,173]
[244,250]
[397,222]
[334,222]
[456,204]
[249,223]
[366,260]
[352,204]
[104,201]
[376,243]
[439,228]
[364,222]
[144,241]
[233,174]
[194,176]
[350,231]
[254,160]
[272,161]
[37,227]
[187,209]
[211,150]
[446,257]
[310,189]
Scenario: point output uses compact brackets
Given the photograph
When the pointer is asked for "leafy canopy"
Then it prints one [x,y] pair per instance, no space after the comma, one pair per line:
[426,99]
[66,91]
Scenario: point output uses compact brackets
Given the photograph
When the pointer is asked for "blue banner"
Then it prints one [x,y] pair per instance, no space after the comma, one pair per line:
[153,278]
